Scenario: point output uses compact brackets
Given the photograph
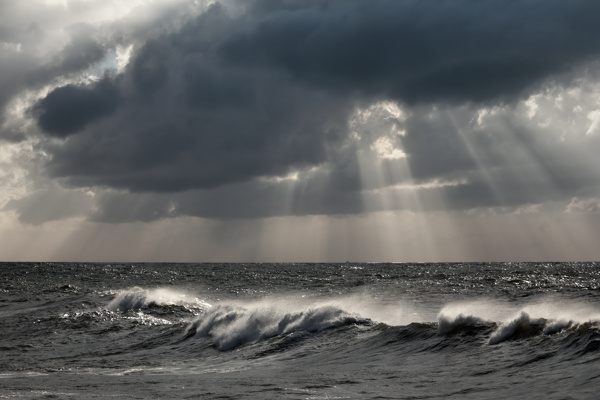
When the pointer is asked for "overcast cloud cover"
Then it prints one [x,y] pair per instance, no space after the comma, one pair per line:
[403,122]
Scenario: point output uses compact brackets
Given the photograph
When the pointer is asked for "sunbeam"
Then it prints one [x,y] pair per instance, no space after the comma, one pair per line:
[230,130]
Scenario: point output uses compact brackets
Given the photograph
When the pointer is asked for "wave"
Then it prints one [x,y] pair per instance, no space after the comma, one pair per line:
[449,325]
[233,326]
[468,317]
[524,326]
[137,298]
[546,318]
[521,327]
[510,323]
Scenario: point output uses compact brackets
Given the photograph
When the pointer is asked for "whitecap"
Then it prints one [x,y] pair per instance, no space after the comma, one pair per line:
[137,298]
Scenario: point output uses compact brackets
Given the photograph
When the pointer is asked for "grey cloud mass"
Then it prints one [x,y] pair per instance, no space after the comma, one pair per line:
[245,110]
[50,204]
[421,51]
[69,109]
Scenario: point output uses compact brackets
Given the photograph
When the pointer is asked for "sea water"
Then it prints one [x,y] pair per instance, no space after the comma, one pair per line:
[300,331]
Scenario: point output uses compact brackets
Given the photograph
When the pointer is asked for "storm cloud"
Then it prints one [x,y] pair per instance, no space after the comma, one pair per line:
[265,108]
[68,109]
[421,51]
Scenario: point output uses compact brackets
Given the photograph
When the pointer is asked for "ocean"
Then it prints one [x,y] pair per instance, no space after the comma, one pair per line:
[300,331]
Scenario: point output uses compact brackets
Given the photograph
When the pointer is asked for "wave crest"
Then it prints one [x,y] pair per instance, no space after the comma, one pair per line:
[524,326]
[137,298]
[231,326]
[460,323]
[521,327]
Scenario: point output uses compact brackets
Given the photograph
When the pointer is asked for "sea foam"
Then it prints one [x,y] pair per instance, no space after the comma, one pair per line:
[137,298]
[231,326]
[460,316]
[521,327]
[460,322]
[547,317]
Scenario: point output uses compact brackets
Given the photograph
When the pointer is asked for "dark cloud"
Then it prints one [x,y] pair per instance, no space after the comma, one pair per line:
[253,199]
[82,52]
[419,51]
[149,69]
[186,121]
[206,116]
[68,109]
[25,67]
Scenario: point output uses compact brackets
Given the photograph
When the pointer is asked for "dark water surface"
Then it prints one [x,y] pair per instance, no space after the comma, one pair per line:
[300,331]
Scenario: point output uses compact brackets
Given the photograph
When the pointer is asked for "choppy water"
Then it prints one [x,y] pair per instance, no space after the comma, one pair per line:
[300,331]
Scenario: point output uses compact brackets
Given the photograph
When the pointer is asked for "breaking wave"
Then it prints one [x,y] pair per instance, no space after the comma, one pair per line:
[509,323]
[233,326]
[137,298]
[459,323]
[521,327]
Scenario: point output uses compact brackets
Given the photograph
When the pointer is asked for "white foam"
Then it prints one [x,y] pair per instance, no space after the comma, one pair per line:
[560,310]
[449,324]
[549,316]
[137,298]
[553,327]
[481,309]
[393,312]
[234,325]
[522,325]
[146,319]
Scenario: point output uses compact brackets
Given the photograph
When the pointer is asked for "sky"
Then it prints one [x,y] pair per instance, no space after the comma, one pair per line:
[299,131]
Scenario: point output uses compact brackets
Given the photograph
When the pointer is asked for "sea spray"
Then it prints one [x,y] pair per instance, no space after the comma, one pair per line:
[233,326]
[137,298]
[300,330]
[520,327]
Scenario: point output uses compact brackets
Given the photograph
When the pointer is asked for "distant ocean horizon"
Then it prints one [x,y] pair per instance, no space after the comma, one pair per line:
[347,330]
